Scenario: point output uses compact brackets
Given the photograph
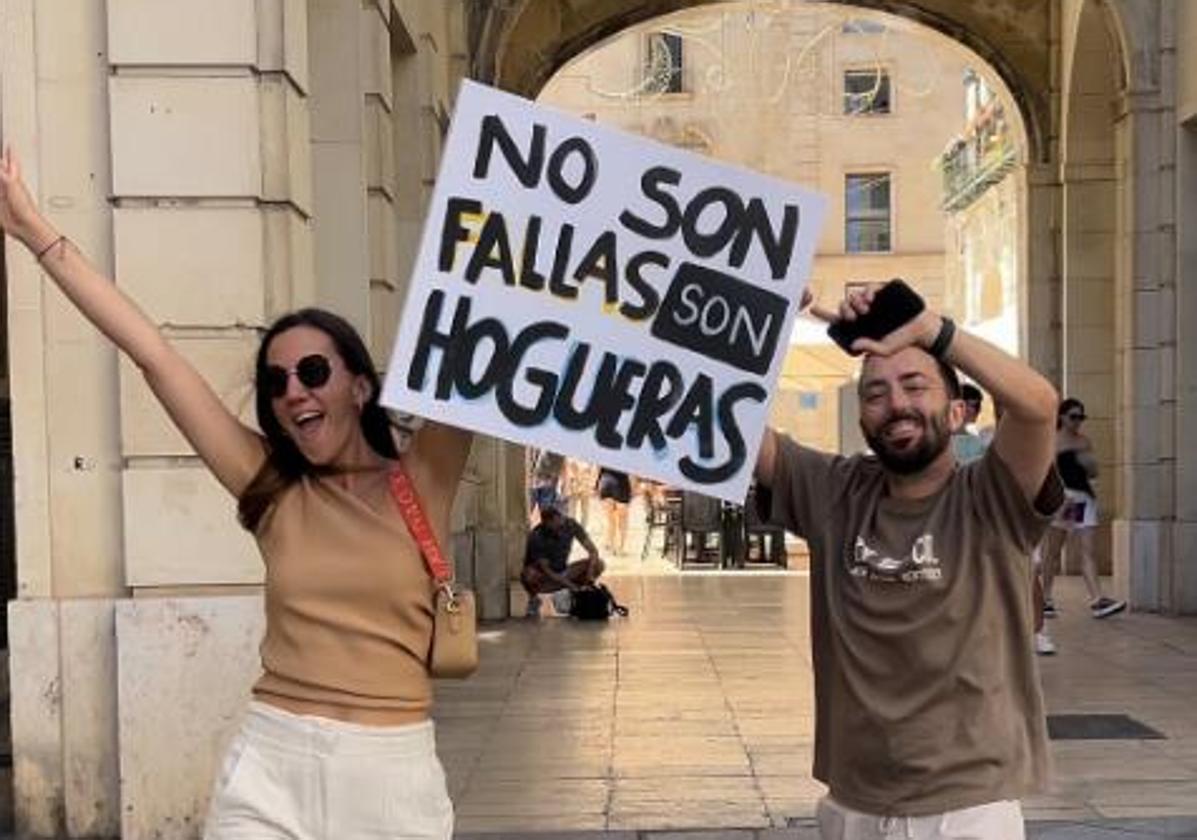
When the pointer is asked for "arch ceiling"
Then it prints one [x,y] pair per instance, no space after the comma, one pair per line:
[519,44]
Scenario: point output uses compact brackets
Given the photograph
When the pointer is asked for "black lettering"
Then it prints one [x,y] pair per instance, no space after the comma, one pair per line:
[737,451]
[452,230]
[615,402]
[650,298]
[463,374]
[544,380]
[708,244]
[662,389]
[697,409]
[572,193]
[493,250]
[650,185]
[721,317]
[564,411]
[778,249]
[599,262]
[526,170]
[530,278]
[557,284]
[429,338]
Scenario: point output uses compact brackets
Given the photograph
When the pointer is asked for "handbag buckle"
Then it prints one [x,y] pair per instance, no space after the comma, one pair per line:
[451,603]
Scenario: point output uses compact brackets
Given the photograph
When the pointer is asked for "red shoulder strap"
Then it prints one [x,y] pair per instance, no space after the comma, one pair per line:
[408,501]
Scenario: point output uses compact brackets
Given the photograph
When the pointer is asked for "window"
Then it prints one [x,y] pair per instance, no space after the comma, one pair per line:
[866,92]
[663,68]
[867,213]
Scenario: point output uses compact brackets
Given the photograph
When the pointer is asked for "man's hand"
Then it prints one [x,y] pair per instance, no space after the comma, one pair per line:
[1025,436]
[920,331]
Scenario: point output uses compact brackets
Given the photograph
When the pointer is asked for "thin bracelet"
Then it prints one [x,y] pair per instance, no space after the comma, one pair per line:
[50,247]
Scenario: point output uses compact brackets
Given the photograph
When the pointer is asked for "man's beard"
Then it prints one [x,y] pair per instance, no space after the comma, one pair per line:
[935,438]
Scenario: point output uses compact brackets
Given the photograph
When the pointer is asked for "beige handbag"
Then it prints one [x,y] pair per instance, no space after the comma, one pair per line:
[454,650]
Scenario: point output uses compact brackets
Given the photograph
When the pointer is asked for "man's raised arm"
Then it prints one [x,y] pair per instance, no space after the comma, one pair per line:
[766,458]
[1025,436]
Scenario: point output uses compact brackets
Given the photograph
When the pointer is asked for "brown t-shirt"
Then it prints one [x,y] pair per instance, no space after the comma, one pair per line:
[926,690]
[348,604]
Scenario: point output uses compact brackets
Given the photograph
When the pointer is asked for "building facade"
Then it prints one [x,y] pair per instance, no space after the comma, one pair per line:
[231,160]
[852,105]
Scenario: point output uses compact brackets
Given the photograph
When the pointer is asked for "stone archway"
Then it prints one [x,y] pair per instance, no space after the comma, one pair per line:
[517,45]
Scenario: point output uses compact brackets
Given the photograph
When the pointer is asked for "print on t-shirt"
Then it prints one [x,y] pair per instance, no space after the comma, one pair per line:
[871,564]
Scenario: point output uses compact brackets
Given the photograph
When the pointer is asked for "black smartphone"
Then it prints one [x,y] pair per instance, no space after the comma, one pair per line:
[894,305]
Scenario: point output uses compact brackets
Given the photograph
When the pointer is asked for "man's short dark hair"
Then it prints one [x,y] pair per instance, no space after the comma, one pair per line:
[970,393]
[951,382]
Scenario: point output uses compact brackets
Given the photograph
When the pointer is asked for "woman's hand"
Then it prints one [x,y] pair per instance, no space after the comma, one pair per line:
[18,214]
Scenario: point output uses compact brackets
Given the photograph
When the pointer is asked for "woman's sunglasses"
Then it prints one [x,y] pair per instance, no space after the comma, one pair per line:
[1077,417]
[311,371]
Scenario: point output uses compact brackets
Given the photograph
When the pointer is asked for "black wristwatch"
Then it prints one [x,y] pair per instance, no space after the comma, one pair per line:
[944,340]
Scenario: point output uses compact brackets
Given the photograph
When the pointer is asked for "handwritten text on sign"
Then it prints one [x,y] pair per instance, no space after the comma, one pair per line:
[604,296]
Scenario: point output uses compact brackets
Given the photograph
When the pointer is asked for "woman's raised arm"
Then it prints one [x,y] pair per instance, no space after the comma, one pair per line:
[231,450]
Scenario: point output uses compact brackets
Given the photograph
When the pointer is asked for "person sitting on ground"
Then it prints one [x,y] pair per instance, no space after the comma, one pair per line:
[544,489]
[546,558]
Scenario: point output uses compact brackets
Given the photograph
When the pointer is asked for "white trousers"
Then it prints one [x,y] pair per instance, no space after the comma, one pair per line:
[307,778]
[992,821]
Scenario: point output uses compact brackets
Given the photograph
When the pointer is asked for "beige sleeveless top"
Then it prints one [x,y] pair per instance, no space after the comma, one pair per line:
[348,605]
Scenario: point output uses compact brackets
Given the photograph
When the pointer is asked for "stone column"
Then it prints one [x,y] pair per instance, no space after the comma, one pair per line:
[1145,563]
[1041,305]
[1184,529]
[66,433]
[169,141]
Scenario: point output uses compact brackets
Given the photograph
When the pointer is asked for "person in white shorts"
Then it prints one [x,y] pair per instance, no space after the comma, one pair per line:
[1076,523]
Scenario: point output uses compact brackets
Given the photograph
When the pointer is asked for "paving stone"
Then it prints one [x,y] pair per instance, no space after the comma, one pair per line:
[693,720]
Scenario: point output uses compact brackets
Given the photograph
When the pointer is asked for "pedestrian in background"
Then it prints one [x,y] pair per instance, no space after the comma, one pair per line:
[615,492]
[1076,524]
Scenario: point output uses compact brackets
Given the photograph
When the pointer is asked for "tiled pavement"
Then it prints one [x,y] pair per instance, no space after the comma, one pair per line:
[695,713]
[1182,828]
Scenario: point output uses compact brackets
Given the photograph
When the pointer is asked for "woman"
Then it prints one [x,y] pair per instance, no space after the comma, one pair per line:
[342,705]
[1078,517]
[615,491]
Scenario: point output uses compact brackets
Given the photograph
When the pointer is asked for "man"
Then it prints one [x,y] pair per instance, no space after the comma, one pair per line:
[967,443]
[929,716]
[546,558]
[544,484]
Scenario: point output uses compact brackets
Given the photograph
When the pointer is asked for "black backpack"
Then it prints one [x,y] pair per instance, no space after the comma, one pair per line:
[595,603]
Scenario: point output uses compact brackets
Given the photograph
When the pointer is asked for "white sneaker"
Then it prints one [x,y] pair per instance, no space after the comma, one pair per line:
[1044,646]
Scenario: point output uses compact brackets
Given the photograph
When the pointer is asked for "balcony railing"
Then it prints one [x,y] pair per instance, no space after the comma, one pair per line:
[975,162]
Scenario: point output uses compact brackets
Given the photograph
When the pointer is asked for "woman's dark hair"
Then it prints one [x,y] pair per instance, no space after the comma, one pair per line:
[1066,406]
[285,464]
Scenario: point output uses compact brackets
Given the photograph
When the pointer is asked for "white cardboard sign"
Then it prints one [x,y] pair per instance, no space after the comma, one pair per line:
[601,295]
